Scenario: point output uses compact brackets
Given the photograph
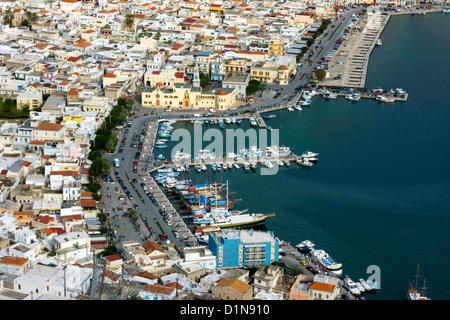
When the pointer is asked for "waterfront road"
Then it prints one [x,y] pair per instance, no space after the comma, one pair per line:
[151,220]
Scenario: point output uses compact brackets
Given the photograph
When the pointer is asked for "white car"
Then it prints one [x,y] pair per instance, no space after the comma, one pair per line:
[212,110]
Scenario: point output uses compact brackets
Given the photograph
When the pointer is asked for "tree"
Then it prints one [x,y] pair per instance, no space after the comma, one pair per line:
[204,80]
[294,271]
[129,22]
[9,17]
[130,103]
[320,74]
[253,86]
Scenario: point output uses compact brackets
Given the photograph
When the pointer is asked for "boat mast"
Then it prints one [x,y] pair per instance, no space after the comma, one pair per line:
[417,276]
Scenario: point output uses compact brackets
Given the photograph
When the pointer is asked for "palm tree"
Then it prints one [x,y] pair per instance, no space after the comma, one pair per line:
[129,22]
[31,16]
[9,17]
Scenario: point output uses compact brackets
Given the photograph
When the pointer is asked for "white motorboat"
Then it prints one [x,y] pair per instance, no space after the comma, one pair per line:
[329,95]
[252,121]
[305,103]
[230,166]
[309,154]
[379,42]
[305,246]
[268,164]
[353,97]
[253,165]
[351,286]
[360,287]
[298,107]
[203,167]
[290,109]
[246,166]
[280,163]
[236,165]
[367,288]
[287,163]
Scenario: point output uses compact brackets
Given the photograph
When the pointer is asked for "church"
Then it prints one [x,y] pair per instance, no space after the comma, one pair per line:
[187,95]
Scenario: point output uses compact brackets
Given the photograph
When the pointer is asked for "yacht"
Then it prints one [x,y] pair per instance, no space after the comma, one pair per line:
[309,154]
[351,286]
[446,10]
[252,121]
[286,163]
[246,166]
[280,163]
[304,162]
[230,166]
[324,260]
[305,246]
[253,165]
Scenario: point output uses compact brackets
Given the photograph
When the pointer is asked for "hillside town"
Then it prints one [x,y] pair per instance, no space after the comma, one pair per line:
[73,74]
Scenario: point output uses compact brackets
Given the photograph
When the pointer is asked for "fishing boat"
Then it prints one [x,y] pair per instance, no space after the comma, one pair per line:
[230,166]
[351,286]
[253,165]
[269,116]
[280,163]
[446,10]
[304,162]
[298,107]
[324,260]
[383,98]
[198,168]
[414,293]
[246,166]
[287,163]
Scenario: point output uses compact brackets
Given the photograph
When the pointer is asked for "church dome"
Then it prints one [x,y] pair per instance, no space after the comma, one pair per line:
[222,93]
[168,65]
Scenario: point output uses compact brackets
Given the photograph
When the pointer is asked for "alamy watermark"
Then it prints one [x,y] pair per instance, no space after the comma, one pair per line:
[228,146]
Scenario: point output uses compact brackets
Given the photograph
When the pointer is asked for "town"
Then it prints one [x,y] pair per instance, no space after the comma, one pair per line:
[84,87]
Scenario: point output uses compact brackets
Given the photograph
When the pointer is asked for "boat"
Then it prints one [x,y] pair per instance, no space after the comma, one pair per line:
[309,154]
[280,163]
[379,42]
[383,98]
[304,162]
[236,165]
[367,288]
[253,165]
[360,287]
[353,97]
[252,121]
[269,128]
[414,293]
[351,286]
[286,163]
[305,103]
[290,109]
[246,166]
[298,107]
[161,146]
[324,260]
[203,167]
[446,10]
[233,221]
[230,166]
[198,168]
[269,116]
[268,164]
[305,246]
[329,95]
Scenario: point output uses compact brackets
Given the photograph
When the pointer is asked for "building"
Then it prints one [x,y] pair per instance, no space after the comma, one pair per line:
[232,289]
[252,247]
[31,99]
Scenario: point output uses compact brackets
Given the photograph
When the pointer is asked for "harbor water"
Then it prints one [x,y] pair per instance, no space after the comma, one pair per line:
[379,194]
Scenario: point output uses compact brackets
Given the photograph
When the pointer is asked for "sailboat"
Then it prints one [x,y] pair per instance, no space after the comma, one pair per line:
[414,293]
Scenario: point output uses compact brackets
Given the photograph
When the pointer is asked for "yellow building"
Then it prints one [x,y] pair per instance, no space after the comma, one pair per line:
[168,75]
[276,48]
[279,71]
